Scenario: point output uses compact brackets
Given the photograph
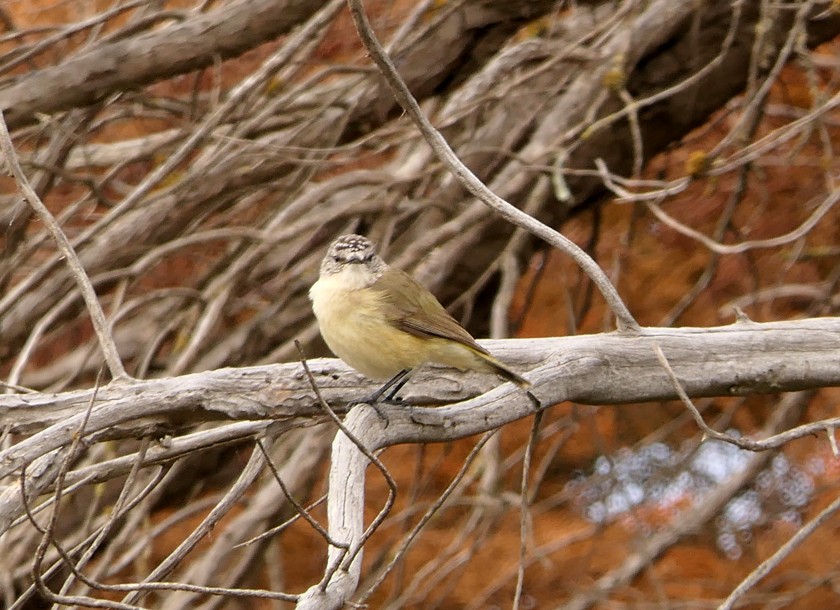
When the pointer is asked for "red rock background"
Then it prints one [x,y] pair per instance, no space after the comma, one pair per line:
[654,266]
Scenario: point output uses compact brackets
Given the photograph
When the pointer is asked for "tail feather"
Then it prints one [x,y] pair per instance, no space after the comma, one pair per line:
[505,371]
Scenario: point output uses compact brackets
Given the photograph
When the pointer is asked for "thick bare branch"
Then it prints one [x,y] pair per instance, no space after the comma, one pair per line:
[201,240]
[177,48]
[347,473]
[733,360]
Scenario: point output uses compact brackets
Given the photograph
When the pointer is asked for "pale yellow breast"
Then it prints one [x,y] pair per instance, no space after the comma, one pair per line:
[353,327]
[352,323]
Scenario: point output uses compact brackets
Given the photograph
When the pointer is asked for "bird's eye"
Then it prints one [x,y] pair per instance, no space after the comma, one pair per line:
[336,258]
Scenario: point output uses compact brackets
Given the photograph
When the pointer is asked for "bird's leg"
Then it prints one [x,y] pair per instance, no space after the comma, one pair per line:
[396,382]
[399,381]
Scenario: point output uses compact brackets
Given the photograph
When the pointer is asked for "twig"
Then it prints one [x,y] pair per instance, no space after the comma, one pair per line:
[303,450]
[774,560]
[707,431]
[689,520]
[279,528]
[430,512]
[752,244]
[524,512]
[245,479]
[117,509]
[47,532]
[97,316]
[772,442]
[472,183]
[636,105]
[299,508]
[349,552]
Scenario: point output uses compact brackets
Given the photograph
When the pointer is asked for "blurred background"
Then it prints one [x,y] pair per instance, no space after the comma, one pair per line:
[201,155]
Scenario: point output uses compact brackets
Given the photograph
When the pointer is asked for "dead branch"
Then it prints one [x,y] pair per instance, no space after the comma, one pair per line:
[174,49]
[200,197]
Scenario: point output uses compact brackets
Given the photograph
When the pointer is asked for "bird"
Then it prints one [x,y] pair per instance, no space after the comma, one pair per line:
[385,324]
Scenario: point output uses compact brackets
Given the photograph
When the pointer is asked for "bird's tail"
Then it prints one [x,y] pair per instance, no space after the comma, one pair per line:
[505,371]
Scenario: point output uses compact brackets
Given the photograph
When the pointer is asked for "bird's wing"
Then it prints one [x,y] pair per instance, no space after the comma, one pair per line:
[413,309]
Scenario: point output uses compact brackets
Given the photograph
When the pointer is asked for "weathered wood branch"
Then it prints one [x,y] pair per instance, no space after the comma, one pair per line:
[508,118]
[739,359]
[229,31]
[612,369]
[355,103]
[678,65]
[175,49]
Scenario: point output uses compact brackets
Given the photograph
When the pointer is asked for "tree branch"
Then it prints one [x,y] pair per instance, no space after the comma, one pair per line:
[97,316]
[636,368]
[474,185]
[735,360]
[189,45]
[739,359]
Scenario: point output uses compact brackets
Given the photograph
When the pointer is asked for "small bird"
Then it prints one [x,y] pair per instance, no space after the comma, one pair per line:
[384,324]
